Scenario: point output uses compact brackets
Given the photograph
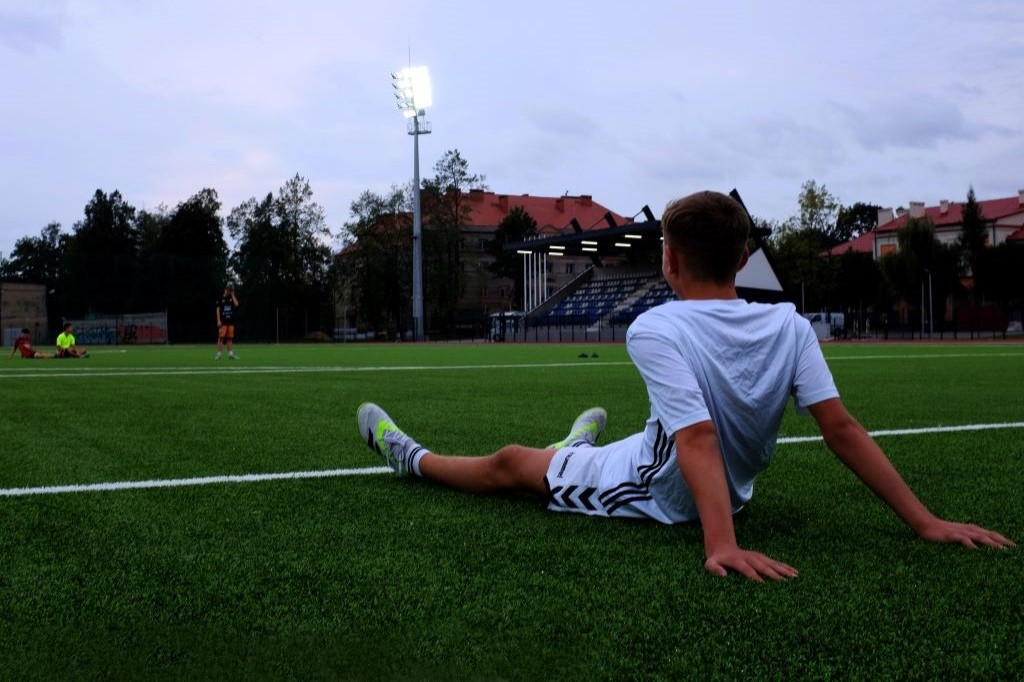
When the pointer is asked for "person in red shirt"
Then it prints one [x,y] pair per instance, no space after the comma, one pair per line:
[24,344]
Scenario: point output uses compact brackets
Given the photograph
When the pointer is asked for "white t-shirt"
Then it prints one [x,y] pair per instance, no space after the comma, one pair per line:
[733,362]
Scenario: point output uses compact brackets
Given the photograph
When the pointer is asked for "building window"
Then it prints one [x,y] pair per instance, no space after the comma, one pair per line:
[570,268]
[886,249]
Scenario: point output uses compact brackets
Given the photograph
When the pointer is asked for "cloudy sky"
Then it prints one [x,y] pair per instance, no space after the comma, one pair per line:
[632,102]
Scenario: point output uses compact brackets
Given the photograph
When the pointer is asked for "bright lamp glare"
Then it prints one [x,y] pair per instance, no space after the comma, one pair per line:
[412,90]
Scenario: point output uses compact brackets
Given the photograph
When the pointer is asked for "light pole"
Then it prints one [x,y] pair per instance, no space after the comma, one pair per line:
[413,95]
[922,311]
[931,308]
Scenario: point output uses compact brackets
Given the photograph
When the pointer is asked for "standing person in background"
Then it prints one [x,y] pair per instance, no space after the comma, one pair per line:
[226,306]
[66,346]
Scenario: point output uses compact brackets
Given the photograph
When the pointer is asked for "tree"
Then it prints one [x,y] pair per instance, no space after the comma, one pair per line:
[858,281]
[102,257]
[795,253]
[151,276]
[972,240]
[855,220]
[42,260]
[517,226]
[281,260]
[374,268]
[919,255]
[999,271]
[192,259]
[446,210]
[38,260]
[818,212]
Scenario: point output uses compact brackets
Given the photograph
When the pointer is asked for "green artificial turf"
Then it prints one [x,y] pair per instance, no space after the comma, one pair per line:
[368,577]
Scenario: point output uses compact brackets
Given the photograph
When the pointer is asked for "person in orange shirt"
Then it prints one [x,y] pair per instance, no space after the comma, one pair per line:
[226,307]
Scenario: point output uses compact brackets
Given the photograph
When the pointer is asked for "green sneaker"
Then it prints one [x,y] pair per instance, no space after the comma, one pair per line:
[384,437]
[588,427]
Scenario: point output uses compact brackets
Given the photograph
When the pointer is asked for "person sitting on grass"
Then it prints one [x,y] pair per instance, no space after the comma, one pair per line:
[66,347]
[719,372]
[24,344]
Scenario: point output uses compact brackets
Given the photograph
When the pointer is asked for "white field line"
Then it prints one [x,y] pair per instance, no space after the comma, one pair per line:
[915,432]
[180,482]
[83,372]
[185,371]
[367,471]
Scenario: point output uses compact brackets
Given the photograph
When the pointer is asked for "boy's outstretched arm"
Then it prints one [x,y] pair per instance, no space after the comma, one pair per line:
[858,451]
[700,461]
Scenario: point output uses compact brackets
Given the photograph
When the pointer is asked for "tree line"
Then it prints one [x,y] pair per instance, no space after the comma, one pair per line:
[965,274]
[119,259]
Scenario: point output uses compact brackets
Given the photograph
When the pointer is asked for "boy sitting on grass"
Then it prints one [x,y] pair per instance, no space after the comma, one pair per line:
[23,344]
[719,372]
[66,345]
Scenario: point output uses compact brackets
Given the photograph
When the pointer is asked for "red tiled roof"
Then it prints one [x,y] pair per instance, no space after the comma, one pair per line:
[552,214]
[991,209]
[1017,236]
[862,244]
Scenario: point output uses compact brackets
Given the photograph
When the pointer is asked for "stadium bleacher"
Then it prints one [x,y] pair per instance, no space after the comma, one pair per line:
[657,293]
[603,296]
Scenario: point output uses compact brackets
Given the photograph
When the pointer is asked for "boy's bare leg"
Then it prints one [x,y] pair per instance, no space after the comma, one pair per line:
[513,467]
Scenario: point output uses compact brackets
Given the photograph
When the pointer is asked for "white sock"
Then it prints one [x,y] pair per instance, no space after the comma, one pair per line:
[414,463]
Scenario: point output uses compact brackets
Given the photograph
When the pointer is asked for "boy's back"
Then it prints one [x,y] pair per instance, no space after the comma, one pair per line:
[735,363]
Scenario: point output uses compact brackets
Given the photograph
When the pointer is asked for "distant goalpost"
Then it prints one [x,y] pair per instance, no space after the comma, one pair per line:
[133,328]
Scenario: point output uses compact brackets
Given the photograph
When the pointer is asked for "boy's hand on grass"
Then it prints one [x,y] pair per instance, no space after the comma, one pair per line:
[754,565]
[966,534]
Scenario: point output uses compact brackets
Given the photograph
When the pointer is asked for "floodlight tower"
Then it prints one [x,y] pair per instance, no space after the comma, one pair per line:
[412,92]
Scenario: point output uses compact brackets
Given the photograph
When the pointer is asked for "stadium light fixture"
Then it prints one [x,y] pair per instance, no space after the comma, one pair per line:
[623,245]
[412,90]
[525,253]
[587,242]
[633,236]
[590,249]
[413,95]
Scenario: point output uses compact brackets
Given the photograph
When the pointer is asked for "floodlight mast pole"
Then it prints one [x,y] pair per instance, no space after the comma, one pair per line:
[412,91]
[417,233]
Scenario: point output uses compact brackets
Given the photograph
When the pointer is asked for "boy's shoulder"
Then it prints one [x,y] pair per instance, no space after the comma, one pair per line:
[727,310]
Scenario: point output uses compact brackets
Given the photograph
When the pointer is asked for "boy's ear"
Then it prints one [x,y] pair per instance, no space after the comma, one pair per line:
[744,257]
[671,259]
